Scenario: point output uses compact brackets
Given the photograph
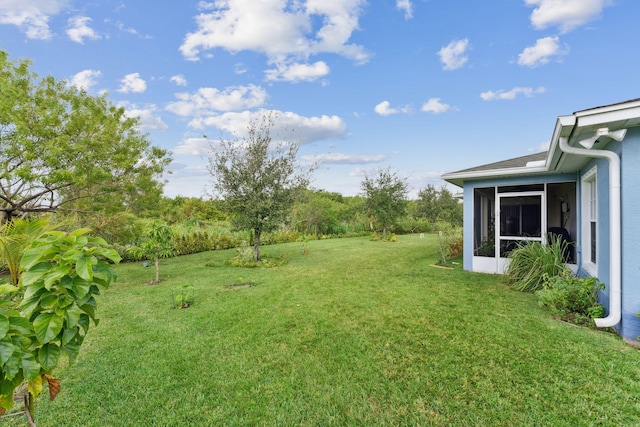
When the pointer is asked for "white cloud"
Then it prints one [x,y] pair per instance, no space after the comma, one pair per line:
[179,80]
[566,14]
[541,52]
[147,115]
[193,146]
[384,109]
[280,30]
[434,105]
[31,17]
[132,83]
[298,72]
[306,129]
[78,29]
[345,159]
[85,79]
[406,6]
[209,100]
[512,94]
[454,55]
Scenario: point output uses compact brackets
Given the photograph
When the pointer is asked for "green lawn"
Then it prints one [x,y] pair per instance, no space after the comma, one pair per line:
[356,333]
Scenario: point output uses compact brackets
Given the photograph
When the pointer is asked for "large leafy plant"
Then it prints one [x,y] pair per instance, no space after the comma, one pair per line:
[531,262]
[47,315]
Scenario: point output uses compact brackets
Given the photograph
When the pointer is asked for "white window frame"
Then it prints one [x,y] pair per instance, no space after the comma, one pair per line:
[589,215]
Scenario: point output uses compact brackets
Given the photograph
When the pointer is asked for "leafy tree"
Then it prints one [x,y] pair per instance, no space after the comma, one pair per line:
[427,204]
[317,214]
[48,314]
[61,148]
[157,243]
[438,205]
[386,194]
[451,207]
[257,178]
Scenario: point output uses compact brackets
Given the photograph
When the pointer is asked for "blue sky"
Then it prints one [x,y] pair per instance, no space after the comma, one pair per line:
[421,86]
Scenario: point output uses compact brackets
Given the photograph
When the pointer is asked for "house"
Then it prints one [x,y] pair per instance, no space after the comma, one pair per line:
[586,188]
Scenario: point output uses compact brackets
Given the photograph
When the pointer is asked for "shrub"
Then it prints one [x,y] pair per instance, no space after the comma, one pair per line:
[377,237]
[450,241]
[572,299]
[531,262]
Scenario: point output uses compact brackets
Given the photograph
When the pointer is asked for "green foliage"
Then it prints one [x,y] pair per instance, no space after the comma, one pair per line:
[184,209]
[257,179]
[157,242]
[378,237]
[385,194]
[62,147]
[532,261]
[48,314]
[572,299]
[182,296]
[15,237]
[450,241]
[244,258]
[119,229]
[438,206]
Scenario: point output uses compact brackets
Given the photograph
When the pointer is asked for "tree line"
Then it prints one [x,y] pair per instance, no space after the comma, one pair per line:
[81,160]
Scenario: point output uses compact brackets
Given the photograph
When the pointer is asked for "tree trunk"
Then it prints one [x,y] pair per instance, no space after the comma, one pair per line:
[157,270]
[256,245]
[384,232]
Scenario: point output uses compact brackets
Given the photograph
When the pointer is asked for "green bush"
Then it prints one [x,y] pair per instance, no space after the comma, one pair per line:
[572,299]
[378,237]
[244,258]
[532,261]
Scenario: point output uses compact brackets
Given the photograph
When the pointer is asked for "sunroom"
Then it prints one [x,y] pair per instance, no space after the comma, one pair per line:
[509,203]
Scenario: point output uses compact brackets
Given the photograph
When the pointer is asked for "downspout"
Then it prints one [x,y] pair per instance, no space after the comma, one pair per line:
[615,272]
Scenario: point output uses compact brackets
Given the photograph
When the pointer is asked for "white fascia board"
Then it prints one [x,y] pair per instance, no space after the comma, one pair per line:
[564,128]
[494,173]
[601,116]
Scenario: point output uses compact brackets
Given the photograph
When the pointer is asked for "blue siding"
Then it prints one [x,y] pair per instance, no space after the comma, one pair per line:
[629,151]
[630,326]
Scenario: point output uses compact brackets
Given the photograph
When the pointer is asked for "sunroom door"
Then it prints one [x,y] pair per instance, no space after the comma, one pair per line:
[520,217]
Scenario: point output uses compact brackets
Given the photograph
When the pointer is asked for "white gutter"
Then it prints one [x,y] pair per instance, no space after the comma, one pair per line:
[615,272]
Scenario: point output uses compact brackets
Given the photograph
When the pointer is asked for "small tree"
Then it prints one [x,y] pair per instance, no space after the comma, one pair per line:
[385,194]
[157,243]
[257,178]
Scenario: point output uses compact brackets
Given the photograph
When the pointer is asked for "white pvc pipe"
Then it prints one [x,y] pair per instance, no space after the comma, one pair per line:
[615,271]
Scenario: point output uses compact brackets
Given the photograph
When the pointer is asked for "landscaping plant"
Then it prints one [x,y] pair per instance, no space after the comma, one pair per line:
[157,243]
[47,315]
[572,299]
[449,242]
[532,261]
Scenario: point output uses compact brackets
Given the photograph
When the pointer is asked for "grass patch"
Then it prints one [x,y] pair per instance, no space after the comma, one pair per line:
[354,333]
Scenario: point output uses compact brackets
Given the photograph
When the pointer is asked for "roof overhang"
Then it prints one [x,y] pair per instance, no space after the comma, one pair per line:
[575,127]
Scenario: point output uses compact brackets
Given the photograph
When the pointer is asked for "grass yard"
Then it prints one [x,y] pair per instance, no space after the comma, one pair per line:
[355,333]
